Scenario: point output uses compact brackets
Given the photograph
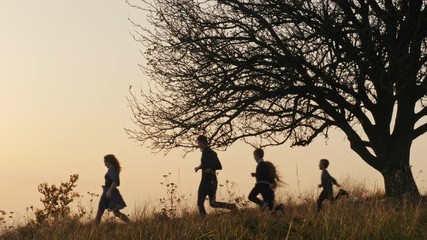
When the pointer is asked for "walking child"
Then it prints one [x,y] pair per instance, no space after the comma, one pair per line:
[111,199]
[266,181]
[209,183]
[326,183]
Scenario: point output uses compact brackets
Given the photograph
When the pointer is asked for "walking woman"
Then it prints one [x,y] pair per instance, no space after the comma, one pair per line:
[111,199]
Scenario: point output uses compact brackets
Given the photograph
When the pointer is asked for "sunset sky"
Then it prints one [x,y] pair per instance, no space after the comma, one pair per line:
[65,70]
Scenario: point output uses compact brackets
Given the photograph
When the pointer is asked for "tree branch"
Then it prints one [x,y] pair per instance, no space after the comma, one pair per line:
[422,113]
[420,131]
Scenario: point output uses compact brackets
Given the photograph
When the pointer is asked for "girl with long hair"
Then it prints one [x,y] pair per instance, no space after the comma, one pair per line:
[111,199]
[267,180]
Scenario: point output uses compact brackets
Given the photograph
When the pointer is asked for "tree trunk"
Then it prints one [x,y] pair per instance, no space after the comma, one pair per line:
[399,181]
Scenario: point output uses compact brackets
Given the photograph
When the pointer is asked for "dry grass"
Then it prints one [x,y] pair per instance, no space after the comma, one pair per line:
[348,219]
[365,215]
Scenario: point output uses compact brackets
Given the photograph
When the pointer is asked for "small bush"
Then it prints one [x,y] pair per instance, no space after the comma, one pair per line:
[172,203]
[56,201]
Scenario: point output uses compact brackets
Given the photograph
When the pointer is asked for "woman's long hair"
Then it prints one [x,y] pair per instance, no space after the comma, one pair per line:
[273,172]
[111,159]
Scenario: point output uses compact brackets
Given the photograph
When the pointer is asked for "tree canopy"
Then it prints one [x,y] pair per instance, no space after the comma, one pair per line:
[276,71]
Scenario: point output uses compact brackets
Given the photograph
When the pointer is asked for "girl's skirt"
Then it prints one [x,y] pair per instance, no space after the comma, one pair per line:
[114,203]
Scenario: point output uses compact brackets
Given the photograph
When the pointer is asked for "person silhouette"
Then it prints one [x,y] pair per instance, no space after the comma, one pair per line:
[111,199]
[266,181]
[209,183]
[327,182]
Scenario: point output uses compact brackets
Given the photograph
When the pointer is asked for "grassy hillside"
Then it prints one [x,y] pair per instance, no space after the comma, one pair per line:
[364,215]
[348,219]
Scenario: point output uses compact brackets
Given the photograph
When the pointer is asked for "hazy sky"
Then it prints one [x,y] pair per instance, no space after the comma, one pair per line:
[65,69]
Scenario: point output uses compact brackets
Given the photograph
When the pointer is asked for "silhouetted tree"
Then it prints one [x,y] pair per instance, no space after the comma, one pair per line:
[287,70]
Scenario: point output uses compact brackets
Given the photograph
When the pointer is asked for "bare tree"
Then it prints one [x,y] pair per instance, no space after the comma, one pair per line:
[276,71]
